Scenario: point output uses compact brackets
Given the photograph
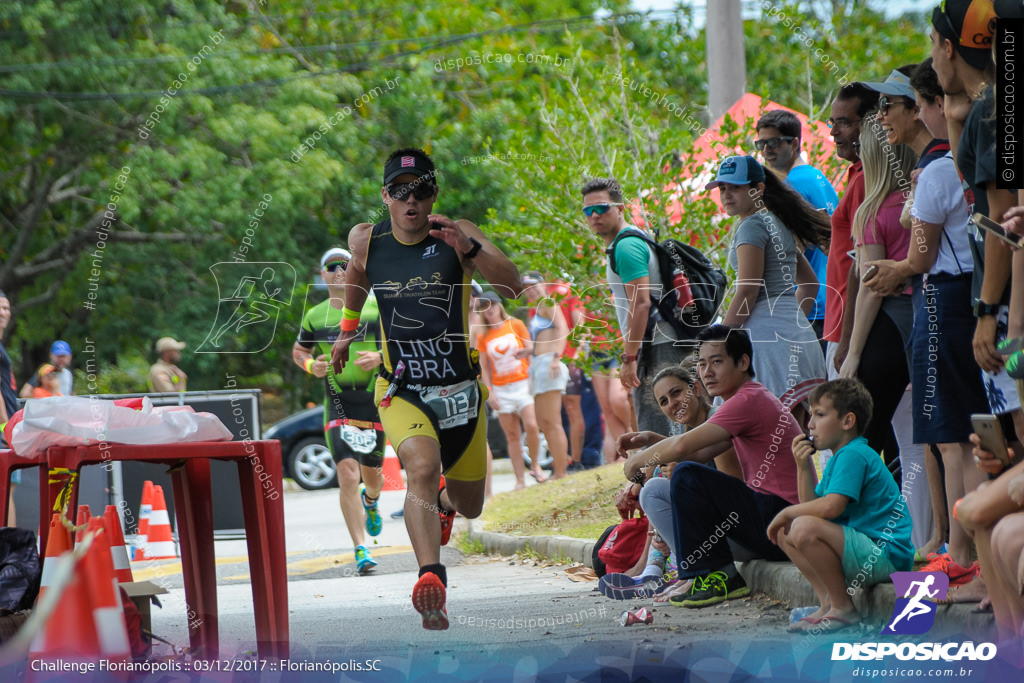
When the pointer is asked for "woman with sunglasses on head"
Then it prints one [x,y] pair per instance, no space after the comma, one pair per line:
[683,399]
[769,264]
[352,428]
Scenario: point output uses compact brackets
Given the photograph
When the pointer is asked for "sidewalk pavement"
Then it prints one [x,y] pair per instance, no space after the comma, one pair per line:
[779,580]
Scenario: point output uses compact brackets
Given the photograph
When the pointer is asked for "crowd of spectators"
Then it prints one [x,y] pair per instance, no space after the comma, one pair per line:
[920,314]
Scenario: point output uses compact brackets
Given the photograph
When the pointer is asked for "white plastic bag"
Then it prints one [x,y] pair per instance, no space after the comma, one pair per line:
[81,421]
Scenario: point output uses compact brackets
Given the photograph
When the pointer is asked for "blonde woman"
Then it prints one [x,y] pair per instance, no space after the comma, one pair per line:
[882,324]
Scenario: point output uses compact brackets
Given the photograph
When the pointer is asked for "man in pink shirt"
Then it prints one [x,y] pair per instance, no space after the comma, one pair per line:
[709,505]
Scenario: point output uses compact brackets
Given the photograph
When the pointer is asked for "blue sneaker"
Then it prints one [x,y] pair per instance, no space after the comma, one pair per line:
[364,562]
[374,523]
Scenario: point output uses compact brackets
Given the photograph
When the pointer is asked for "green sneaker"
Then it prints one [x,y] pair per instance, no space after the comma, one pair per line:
[712,589]
[364,562]
[374,522]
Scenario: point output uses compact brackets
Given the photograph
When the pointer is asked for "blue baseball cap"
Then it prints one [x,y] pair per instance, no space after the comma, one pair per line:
[60,348]
[738,170]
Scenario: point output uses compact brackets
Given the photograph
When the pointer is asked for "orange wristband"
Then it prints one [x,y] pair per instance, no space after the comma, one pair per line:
[350,325]
[309,365]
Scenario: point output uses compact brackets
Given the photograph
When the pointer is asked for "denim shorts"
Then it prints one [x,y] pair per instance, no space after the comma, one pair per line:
[540,375]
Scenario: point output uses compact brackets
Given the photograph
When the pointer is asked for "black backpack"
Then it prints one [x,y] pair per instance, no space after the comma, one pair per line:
[693,287]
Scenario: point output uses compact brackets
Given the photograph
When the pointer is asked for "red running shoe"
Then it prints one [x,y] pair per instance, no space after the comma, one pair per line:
[447,518]
[958,575]
[428,597]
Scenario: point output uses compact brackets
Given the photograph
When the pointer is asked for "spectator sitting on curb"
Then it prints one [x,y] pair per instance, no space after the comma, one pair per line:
[709,505]
[994,513]
[850,529]
[683,399]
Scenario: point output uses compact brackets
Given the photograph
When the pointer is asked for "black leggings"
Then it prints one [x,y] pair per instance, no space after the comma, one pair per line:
[883,370]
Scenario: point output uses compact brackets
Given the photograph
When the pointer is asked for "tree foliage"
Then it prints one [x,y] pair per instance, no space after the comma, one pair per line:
[141,139]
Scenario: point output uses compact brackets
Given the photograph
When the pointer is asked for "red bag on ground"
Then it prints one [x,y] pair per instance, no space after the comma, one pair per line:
[139,641]
[624,545]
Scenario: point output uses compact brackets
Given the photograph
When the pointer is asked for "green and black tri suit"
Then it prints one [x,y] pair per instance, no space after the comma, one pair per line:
[351,425]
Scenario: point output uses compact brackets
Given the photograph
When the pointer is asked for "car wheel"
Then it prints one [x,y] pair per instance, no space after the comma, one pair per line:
[311,465]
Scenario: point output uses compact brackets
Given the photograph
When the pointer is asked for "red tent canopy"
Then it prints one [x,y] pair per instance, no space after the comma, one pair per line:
[710,149]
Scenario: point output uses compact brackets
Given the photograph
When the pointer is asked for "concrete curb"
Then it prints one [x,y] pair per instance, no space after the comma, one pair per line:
[779,580]
[783,581]
[552,547]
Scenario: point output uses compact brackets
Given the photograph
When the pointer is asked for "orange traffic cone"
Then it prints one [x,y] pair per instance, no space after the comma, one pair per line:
[160,545]
[84,515]
[57,543]
[68,634]
[107,611]
[392,470]
[118,551]
[145,511]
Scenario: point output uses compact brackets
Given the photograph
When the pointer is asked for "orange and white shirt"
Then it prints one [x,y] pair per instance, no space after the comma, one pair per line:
[499,346]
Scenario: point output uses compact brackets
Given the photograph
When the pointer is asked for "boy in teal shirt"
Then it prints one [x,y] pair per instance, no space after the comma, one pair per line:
[853,529]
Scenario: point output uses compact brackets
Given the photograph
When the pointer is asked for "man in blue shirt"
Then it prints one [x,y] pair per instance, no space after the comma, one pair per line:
[778,141]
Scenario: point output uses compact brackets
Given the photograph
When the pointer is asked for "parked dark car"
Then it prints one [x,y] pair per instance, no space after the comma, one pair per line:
[307,459]
[304,451]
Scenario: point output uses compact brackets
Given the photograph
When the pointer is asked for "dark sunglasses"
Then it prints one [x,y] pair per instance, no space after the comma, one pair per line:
[884,103]
[332,267]
[400,191]
[599,209]
[772,143]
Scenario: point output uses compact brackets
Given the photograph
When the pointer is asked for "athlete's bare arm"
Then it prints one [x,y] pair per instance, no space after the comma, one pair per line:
[357,287]
[496,268]
[300,354]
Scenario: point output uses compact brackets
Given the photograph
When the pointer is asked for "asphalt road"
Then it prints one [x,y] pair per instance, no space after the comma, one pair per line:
[512,619]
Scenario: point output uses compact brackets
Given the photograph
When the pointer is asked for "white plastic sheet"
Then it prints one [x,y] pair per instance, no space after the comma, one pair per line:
[82,421]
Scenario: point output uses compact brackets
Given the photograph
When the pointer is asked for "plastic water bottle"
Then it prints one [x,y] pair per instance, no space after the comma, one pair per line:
[798,613]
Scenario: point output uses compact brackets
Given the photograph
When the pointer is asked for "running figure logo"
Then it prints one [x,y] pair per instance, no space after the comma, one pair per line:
[251,296]
[914,613]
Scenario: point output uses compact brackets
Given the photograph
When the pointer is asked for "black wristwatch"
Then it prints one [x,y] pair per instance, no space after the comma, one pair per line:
[982,309]
[475,250]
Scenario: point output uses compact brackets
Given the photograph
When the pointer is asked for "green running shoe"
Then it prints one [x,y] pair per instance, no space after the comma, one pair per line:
[712,589]
[374,522]
[364,562]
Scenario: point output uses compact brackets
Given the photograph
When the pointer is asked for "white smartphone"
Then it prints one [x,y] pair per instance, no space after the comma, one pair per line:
[989,225]
[987,428]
